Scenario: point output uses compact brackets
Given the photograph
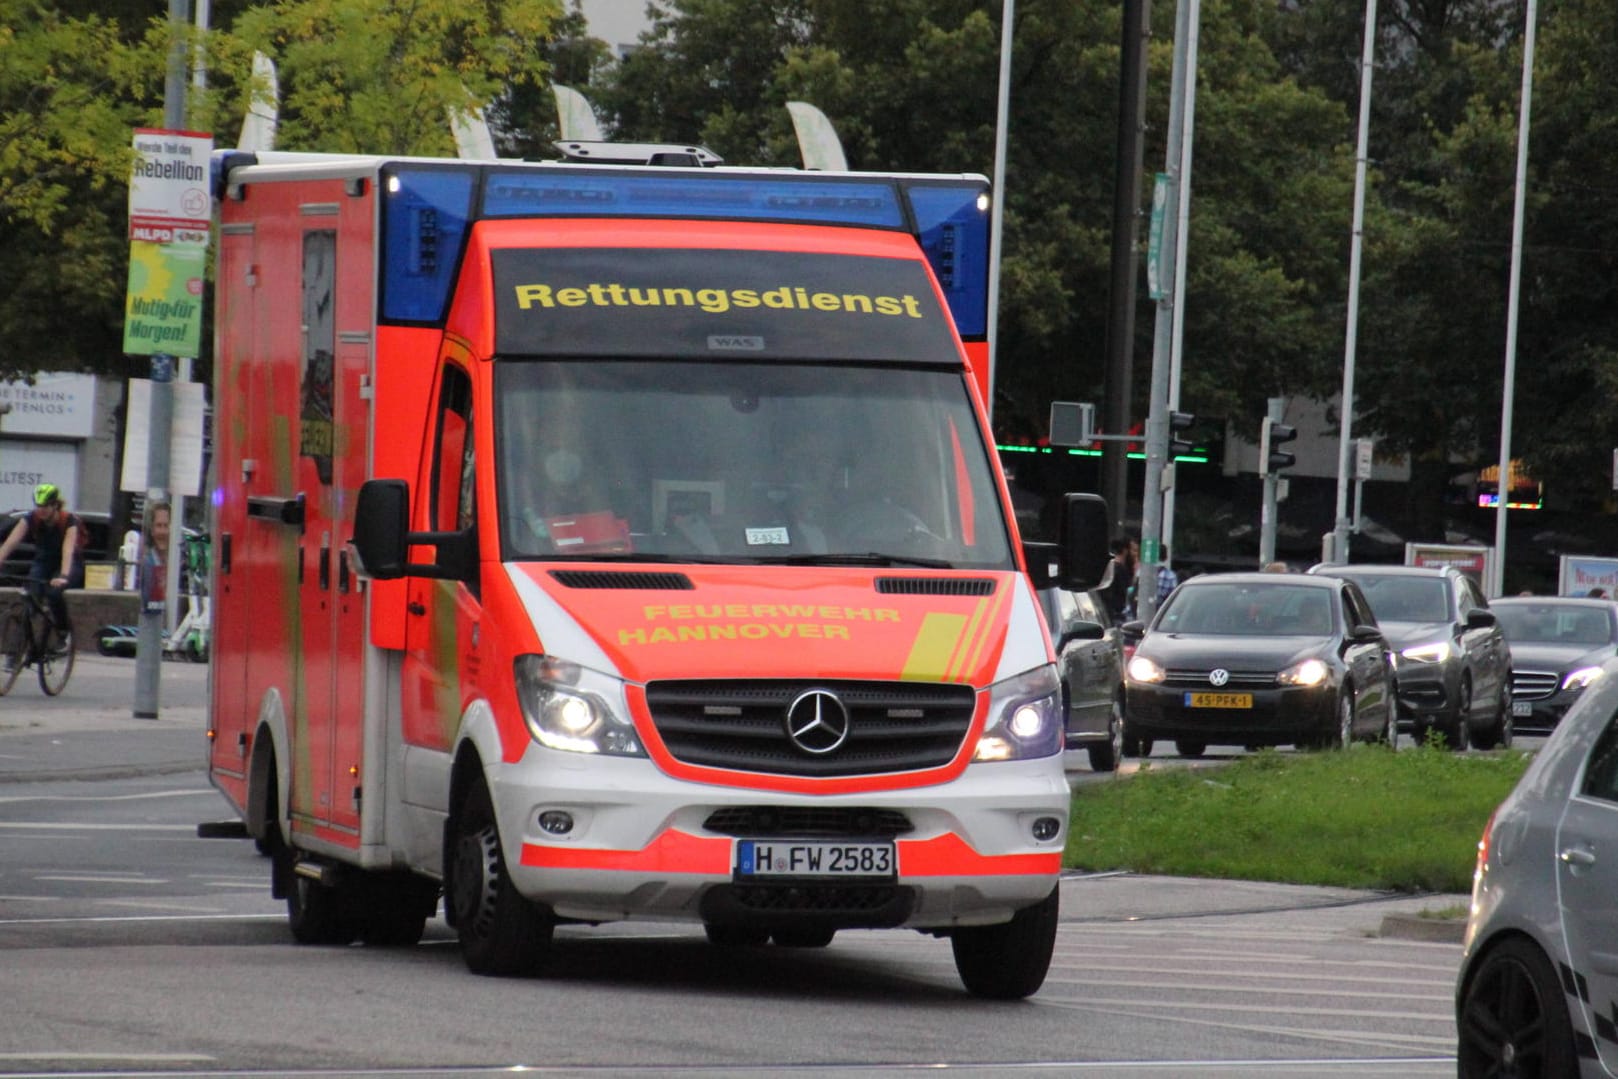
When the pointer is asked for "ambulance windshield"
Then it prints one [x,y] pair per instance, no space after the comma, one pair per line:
[734,462]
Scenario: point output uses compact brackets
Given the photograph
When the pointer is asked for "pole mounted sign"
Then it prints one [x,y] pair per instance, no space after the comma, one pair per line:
[169,213]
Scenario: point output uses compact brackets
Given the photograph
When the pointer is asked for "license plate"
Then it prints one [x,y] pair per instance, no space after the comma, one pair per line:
[1219,700]
[782,858]
[1522,708]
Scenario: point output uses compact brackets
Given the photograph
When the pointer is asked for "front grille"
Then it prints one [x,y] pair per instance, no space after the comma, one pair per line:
[935,586]
[793,822]
[826,899]
[641,580]
[892,726]
[1197,677]
[1533,685]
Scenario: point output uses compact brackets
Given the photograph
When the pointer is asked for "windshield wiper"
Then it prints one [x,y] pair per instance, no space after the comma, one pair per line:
[870,558]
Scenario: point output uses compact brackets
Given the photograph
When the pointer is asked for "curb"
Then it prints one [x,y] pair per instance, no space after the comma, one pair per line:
[1415,927]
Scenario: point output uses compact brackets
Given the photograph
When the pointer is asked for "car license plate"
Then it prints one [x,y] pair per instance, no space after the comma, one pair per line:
[1219,700]
[785,858]
[1522,708]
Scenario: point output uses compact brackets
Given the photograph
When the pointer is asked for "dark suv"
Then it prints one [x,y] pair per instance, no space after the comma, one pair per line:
[1452,663]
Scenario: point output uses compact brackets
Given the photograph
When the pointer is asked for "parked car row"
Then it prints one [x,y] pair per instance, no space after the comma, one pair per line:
[1341,653]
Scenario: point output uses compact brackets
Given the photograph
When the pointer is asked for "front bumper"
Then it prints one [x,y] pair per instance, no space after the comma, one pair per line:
[645,845]
[1424,694]
[1533,710]
[1279,716]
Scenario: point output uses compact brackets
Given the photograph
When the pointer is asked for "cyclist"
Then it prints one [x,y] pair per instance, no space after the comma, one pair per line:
[54,532]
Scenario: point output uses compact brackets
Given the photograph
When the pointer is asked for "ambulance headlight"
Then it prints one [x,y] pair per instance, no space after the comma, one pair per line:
[1025,717]
[573,708]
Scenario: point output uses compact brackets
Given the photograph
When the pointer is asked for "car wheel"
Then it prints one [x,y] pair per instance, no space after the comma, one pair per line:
[1390,731]
[1513,1019]
[1345,721]
[1008,961]
[1499,732]
[1459,733]
[1134,745]
[1104,756]
[1188,747]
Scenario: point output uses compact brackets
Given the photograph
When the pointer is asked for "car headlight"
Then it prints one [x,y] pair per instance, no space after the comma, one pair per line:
[1309,672]
[1580,678]
[1142,669]
[1437,652]
[1025,717]
[573,708]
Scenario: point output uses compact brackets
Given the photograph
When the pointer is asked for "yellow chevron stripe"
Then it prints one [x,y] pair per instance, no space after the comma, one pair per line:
[936,642]
[987,623]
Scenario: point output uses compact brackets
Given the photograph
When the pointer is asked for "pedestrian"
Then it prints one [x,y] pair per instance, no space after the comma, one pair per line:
[1118,578]
[1597,593]
[1167,579]
[57,538]
[1276,567]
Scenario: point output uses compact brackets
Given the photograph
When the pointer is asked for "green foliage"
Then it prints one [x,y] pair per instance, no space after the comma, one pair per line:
[1407,821]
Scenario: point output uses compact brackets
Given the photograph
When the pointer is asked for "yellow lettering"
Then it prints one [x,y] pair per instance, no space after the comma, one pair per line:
[838,632]
[715,301]
[680,610]
[853,301]
[735,610]
[753,631]
[681,296]
[662,636]
[887,305]
[653,610]
[857,614]
[780,298]
[529,295]
[692,633]
[572,297]
[744,297]
[722,632]
[912,307]
[809,629]
[631,636]
[798,611]
[645,297]
[825,301]
[887,614]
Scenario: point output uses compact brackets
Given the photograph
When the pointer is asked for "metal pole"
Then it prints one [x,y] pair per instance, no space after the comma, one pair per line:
[1351,342]
[1157,419]
[1125,258]
[149,632]
[1182,237]
[998,195]
[1497,579]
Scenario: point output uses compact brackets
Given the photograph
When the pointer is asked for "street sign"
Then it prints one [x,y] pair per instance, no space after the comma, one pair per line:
[1154,237]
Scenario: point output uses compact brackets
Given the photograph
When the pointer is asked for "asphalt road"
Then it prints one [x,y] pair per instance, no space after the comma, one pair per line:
[128,946]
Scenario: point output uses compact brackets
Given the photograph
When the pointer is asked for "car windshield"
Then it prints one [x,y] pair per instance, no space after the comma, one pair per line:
[1554,623]
[1248,610]
[1400,598]
[735,462]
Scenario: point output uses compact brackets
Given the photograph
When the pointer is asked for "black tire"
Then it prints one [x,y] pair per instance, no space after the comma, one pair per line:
[501,932]
[397,907]
[1513,1019]
[315,911]
[1008,961]
[736,936]
[1190,747]
[1134,745]
[1500,733]
[56,667]
[803,936]
[1104,756]
[1458,735]
[13,649]
[1342,733]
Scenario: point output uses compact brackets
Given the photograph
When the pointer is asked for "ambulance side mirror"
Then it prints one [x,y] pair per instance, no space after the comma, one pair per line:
[381,523]
[382,538]
[1078,559]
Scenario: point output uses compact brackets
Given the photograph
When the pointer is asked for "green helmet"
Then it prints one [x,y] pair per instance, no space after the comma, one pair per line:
[46,493]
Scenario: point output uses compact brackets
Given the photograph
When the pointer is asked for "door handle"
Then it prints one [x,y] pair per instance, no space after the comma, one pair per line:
[415,607]
[1578,857]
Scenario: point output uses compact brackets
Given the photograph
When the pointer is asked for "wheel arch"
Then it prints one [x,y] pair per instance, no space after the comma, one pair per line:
[268,779]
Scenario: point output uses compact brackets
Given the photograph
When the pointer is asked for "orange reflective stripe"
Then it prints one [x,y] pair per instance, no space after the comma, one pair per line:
[670,852]
[951,856]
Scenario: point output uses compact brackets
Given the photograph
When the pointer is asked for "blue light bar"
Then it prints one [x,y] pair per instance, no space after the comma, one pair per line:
[953,222]
[424,222]
[557,193]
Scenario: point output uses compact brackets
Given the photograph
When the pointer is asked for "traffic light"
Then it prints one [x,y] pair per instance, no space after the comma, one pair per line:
[1179,421]
[1271,435]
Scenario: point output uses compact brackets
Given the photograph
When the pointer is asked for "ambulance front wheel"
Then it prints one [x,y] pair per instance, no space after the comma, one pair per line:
[501,932]
[1008,961]
[315,911]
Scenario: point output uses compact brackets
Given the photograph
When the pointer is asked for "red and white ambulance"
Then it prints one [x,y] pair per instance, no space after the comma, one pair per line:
[602,541]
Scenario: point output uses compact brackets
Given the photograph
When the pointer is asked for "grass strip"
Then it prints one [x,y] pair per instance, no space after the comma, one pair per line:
[1366,818]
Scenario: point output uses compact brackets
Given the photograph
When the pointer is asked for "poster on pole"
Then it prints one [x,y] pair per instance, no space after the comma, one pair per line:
[185,438]
[170,210]
[1579,575]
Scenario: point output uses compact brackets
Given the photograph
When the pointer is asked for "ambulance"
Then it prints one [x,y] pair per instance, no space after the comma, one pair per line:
[621,537]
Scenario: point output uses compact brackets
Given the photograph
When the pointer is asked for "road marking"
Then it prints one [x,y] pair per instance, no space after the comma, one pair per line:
[88,827]
[102,880]
[190,793]
[133,1058]
[116,919]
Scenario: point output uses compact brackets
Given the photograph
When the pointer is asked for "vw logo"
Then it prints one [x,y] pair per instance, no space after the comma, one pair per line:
[1218,676]
[817,722]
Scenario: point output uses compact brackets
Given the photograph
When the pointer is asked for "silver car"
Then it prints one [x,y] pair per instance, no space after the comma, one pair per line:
[1537,993]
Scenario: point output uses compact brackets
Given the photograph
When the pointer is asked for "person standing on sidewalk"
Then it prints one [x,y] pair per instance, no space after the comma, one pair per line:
[55,534]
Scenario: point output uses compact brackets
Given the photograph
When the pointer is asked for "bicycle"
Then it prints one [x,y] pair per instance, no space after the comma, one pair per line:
[25,641]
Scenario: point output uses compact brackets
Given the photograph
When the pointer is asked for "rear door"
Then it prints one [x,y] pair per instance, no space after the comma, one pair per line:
[1587,886]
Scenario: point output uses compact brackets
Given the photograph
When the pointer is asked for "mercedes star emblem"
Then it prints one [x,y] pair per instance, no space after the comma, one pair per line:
[817,722]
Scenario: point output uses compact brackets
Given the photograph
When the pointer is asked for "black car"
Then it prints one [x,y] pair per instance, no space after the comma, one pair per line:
[1090,657]
[1261,659]
[1453,665]
[1558,645]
